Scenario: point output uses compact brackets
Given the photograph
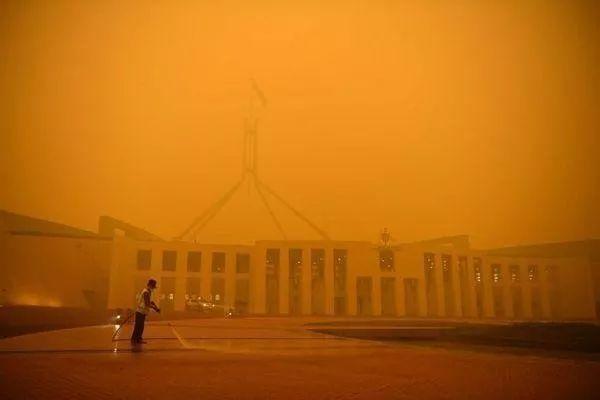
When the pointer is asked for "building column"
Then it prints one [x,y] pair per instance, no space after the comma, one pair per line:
[546,313]
[488,290]
[400,297]
[180,280]
[230,273]
[180,289]
[507,299]
[439,286]
[422,295]
[205,275]
[456,287]
[329,282]
[284,281]
[351,306]
[376,295]
[306,282]
[258,285]
[526,290]
[471,288]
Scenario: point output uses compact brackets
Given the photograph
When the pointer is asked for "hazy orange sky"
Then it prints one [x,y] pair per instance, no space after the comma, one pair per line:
[429,118]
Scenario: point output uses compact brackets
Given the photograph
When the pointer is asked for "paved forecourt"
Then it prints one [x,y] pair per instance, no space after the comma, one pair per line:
[256,358]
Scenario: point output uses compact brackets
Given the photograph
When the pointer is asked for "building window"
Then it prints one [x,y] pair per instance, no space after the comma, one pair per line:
[463,279]
[242,263]
[532,273]
[340,261]
[167,293]
[429,259]
[272,261]
[194,261]
[218,262]
[496,273]
[446,271]
[386,260]
[462,265]
[430,283]
[192,293]
[169,260]
[552,274]
[515,274]
[477,270]
[295,257]
[446,261]
[429,268]
[144,260]
[295,260]
[218,290]
[317,263]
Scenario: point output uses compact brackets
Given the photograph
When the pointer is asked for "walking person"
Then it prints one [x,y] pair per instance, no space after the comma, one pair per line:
[144,304]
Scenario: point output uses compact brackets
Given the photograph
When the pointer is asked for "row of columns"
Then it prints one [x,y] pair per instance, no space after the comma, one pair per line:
[505,285]
[351,295]
[260,296]
[258,289]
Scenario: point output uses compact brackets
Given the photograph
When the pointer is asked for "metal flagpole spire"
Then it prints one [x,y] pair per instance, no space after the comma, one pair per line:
[250,176]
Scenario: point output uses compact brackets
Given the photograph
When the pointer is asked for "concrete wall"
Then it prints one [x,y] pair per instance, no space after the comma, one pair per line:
[54,270]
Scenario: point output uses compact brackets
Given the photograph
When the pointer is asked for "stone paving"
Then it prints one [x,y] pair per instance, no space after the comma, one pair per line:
[259,358]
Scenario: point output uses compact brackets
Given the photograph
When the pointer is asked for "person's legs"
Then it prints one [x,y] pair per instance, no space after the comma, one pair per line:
[142,324]
[138,327]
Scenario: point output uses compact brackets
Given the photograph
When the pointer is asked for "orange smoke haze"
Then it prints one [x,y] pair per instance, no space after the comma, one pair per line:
[429,119]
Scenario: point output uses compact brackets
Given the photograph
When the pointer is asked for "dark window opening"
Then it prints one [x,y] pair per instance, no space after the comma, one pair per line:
[194,261]
[169,260]
[448,288]
[144,260]
[430,284]
[295,279]
[496,273]
[218,290]
[340,261]
[552,274]
[192,293]
[463,272]
[317,264]
[218,262]
[242,263]
[515,274]
[167,294]
[272,280]
[478,276]
[532,273]
[272,261]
